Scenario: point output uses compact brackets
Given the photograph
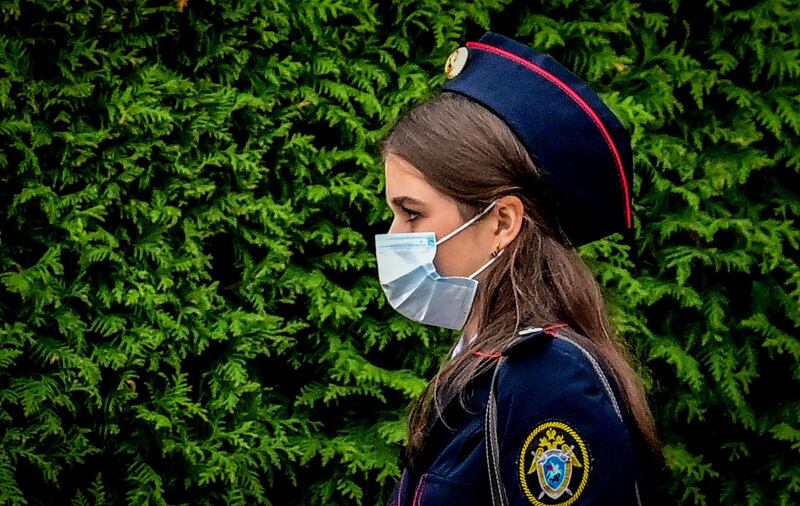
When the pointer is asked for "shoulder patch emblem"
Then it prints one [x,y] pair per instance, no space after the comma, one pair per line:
[553,465]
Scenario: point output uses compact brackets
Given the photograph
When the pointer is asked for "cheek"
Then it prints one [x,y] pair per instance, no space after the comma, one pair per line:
[456,256]
[464,253]
[446,261]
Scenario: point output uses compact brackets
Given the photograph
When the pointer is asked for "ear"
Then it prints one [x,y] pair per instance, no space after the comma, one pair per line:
[508,212]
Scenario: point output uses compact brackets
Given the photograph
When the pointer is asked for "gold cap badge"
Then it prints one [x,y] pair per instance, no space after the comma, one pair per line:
[455,63]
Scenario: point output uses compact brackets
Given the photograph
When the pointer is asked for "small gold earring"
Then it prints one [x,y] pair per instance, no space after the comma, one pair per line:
[496,250]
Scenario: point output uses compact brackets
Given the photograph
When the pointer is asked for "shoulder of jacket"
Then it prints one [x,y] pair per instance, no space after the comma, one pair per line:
[558,351]
[556,382]
[561,358]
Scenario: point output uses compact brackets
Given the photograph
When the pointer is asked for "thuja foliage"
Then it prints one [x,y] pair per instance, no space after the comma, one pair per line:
[189,311]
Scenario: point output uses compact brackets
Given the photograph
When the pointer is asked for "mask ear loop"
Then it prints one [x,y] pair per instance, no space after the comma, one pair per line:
[487,264]
[467,223]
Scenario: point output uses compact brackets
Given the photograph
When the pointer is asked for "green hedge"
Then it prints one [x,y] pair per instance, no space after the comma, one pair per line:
[189,311]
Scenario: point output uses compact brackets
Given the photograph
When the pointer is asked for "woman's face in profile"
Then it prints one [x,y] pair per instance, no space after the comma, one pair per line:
[418,207]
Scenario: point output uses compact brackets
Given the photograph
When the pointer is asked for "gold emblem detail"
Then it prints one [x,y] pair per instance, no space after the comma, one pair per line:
[556,471]
[455,63]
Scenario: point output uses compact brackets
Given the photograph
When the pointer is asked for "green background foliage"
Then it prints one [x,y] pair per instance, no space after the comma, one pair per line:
[188,306]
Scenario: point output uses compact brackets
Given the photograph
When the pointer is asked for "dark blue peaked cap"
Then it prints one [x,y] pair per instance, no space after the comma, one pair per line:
[576,141]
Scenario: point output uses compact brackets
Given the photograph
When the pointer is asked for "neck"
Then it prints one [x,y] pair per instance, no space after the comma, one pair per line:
[471,328]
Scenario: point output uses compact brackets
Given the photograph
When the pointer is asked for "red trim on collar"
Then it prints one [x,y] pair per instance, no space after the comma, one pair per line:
[548,329]
[578,100]
[481,354]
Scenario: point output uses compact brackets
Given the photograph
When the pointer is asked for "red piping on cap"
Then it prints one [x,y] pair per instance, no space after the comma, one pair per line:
[578,100]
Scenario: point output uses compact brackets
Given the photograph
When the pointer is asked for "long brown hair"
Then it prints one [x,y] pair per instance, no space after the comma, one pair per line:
[470,155]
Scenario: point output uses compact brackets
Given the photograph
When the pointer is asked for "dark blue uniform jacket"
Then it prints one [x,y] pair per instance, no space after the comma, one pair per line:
[564,434]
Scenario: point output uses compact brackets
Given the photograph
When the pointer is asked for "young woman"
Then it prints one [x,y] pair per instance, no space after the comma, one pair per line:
[493,183]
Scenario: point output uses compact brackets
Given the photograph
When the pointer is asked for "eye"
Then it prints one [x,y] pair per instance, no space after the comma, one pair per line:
[412,215]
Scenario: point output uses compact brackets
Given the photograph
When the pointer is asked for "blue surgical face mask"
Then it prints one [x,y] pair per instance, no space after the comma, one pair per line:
[412,285]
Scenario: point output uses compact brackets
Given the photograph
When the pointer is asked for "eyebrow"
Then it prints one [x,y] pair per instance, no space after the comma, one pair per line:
[405,199]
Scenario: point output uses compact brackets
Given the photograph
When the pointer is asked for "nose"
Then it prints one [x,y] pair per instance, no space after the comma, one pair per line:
[399,226]
[393,227]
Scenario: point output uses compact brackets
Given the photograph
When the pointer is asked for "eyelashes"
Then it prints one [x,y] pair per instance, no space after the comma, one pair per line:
[412,215]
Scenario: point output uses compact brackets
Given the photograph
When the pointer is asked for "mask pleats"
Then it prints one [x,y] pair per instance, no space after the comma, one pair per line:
[450,302]
[415,303]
